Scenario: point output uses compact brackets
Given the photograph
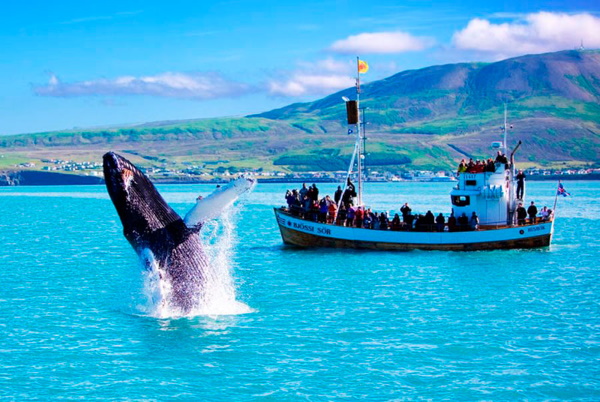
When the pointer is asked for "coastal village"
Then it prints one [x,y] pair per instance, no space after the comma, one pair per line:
[208,173]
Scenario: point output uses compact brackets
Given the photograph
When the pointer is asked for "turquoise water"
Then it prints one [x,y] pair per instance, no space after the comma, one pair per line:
[304,324]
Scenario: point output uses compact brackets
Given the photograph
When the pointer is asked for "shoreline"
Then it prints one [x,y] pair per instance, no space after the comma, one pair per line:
[37,178]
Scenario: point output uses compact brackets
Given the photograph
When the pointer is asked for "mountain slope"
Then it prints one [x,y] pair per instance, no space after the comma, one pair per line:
[423,118]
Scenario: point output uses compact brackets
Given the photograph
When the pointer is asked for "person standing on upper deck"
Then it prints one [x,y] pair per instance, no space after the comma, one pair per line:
[520,185]
[338,195]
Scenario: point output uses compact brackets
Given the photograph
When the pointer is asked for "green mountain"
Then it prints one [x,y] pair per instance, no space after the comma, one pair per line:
[425,118]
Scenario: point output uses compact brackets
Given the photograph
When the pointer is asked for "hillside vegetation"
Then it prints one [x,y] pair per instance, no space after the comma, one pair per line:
[426,118]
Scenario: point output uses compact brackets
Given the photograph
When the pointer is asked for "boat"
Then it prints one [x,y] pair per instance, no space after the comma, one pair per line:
[491,195]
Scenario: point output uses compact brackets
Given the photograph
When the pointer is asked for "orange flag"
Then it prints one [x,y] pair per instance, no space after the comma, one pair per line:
[363,67]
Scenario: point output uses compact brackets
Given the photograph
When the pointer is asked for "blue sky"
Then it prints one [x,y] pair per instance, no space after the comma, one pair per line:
[73,64]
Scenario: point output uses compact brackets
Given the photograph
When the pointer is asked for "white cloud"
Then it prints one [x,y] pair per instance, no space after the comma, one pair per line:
[381,42]
[171,85]
[305,84]
[318,78]
[536,33]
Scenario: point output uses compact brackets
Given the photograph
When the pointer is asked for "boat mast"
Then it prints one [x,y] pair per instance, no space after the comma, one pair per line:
[505,149]
[359,131]
[510,208]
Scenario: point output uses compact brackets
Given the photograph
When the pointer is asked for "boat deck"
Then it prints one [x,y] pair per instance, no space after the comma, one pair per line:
[404,228]
[308,233]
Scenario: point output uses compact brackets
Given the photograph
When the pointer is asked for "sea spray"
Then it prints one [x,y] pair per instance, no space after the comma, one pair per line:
[218,296]
[156,288]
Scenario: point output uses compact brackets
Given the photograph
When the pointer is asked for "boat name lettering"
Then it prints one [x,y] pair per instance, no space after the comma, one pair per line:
[535,228]
[302,226]
[326,231]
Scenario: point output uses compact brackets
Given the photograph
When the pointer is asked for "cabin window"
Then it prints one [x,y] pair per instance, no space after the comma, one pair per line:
[461,200]
[471,182]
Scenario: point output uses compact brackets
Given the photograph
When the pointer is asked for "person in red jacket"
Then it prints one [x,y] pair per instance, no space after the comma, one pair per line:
[358,217]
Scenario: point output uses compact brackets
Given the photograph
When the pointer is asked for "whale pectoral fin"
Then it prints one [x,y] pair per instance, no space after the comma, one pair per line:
[196,216]
[218,201]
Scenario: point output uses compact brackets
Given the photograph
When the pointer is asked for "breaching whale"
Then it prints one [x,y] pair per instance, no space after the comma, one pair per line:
[158,234]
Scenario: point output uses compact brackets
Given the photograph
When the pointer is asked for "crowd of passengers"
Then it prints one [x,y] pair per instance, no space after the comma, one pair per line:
[306,204]
[480,166]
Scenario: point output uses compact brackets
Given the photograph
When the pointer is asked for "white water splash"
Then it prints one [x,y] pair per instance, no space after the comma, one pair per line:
[155,290]
[219,294]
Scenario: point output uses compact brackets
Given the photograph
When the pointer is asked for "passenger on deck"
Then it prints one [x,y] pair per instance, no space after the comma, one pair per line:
[439,222]
[419,222]
[520,184]
[405,211]
[323,209]
[463,222]
[373,216]
[383,221]
[295,205]
[289,198]
[521,214]
[331,211]
[396,224]
[359,217]
[429,221]
[306,206]
[342,215]
[501,159]
[409,222]
[474,221]
[310,193]
[470,166]
[532,212]
[303,191]
[544,214]
[368,219]
[375,223]
[452,223]
[462,167]
[314,211]
[349,194]
[490,166]
[313,192]
[478,167]
[350,216]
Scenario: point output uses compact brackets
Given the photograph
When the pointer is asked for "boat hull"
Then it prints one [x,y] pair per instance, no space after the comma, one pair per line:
[301,233]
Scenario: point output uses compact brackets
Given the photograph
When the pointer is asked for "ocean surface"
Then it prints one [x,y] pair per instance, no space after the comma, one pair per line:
[78,319]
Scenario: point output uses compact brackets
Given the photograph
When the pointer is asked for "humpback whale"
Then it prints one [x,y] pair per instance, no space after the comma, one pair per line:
[159,236]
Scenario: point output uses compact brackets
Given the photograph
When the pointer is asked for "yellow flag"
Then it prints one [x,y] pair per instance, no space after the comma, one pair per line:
[363,67]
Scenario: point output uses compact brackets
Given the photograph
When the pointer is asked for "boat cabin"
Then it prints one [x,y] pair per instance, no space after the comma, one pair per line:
[488,194]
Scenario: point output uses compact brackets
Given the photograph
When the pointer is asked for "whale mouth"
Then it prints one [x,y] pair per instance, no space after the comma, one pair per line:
[113,162]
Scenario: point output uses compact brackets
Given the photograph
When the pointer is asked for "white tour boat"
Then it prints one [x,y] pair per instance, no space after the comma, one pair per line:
[491,195]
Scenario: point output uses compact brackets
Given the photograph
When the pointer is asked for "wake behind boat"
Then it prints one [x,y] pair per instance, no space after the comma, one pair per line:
[487,204]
